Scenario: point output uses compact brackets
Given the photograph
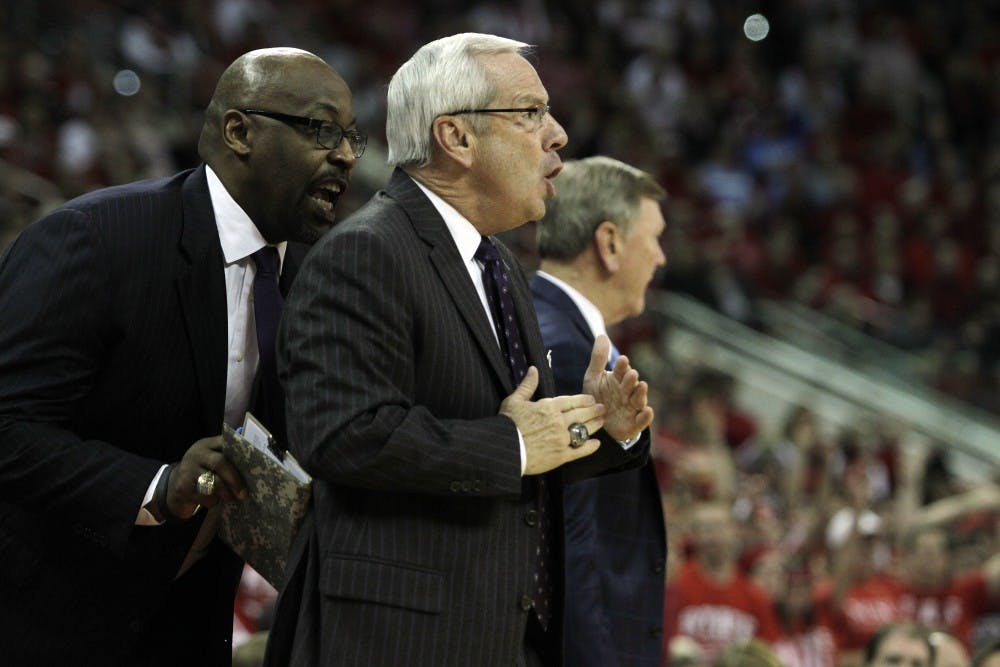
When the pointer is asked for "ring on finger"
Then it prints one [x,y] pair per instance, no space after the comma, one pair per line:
[206,483]
[578,434]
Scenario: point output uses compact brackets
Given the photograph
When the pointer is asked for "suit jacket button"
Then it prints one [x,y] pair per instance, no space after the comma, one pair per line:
[526,602]
[658,568]
[456,486]
[531,518]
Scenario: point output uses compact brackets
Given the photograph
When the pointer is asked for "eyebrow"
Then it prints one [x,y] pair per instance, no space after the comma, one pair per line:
[334,111]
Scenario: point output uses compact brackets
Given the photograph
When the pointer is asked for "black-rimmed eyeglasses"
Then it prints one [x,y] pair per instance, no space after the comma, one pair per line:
[534,116]
[328,134]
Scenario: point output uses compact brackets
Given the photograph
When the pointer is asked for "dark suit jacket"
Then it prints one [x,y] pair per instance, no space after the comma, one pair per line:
[424,539]
[615,539]
[113,338]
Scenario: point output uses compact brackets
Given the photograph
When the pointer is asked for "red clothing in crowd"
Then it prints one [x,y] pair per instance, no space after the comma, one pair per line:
[714,614]
[884,599]
[865,608]
[812,647]
[954,607]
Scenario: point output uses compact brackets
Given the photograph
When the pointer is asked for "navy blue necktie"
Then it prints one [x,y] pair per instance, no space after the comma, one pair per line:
[508,330]
[267,305]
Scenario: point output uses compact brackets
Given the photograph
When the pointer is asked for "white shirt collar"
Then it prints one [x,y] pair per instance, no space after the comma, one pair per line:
[589,311]
[239,237]
[466,236]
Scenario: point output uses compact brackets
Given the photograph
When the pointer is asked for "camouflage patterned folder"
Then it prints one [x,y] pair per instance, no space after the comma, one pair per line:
[261,528]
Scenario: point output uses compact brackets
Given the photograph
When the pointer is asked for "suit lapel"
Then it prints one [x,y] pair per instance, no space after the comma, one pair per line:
[560,301]
[450,268]
[201,288]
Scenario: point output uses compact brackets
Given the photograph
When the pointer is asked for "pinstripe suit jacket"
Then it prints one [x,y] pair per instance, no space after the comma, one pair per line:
[424,536]
[113,341]
[615,539]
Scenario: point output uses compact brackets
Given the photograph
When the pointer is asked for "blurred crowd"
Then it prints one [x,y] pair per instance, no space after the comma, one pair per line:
[810,538]
[848,162]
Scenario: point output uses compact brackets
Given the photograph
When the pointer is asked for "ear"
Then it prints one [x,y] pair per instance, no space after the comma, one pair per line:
[608,241]
[236,134]
[453,139]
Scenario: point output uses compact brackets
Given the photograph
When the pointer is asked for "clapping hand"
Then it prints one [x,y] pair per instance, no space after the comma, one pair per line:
[620,390]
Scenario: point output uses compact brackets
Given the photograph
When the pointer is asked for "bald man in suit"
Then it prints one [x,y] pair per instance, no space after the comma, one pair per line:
[127,336]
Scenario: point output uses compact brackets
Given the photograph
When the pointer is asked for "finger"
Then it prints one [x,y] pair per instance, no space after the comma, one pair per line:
[586,449]
[529,384]
[644,418]
[232,485]
[566,403]
[594,425]
[584,414]
[622,366]
[639,396]
[599,356]
[629,381]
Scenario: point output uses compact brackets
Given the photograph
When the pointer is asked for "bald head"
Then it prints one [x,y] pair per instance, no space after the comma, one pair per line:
[252,80]
[262,138]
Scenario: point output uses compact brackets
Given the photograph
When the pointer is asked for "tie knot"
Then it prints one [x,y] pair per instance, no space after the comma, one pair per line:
[487,252]
[266,260]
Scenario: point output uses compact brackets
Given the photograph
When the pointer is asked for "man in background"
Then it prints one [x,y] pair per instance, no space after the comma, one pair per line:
[599,245]
[132,324]
[709,599]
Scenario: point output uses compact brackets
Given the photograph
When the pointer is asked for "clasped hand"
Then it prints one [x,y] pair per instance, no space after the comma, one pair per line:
[615,400]
[183,496]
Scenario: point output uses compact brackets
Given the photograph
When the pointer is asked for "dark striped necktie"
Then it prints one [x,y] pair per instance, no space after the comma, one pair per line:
[501,302]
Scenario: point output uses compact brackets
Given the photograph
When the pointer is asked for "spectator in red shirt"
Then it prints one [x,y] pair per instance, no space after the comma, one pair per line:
[932,596]
[709,599]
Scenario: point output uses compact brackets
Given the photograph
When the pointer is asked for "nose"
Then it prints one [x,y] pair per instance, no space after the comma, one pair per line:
[342,153]
[557,137]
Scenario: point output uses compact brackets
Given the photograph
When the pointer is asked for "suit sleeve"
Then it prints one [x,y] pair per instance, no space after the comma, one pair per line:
[349,366]
[54,307]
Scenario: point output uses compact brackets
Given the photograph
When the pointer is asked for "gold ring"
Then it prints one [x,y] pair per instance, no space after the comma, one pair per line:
[206,483]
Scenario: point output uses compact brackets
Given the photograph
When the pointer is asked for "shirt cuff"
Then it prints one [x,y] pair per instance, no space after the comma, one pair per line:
[145,518]
[627,444]
[524,452]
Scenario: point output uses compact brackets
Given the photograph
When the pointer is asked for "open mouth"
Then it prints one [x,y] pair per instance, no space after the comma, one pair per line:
[326,196]
[549,186]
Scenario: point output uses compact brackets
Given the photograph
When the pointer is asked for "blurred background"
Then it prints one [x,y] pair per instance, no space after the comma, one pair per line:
[830,309]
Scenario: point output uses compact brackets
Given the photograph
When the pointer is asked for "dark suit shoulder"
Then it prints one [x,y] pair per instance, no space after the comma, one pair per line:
[123,217]
[108,201]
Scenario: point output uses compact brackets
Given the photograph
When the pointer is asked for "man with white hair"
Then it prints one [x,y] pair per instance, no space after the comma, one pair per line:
[420,397]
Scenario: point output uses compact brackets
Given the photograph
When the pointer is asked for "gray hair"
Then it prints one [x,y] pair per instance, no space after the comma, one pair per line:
[443,75]
[588,192]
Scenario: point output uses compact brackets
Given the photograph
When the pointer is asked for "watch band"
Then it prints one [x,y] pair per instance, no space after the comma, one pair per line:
[157,506]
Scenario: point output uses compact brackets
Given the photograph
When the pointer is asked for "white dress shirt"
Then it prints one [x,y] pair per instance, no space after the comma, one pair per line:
[468,238]
[239,239]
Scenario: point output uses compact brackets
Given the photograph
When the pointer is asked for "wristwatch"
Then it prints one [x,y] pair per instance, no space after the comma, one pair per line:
[157,505]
